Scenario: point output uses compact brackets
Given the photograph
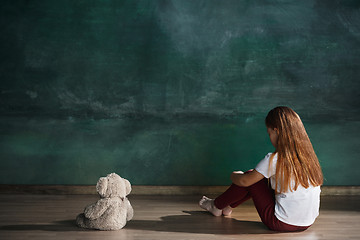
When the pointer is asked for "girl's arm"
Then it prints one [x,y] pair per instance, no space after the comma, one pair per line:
[246,179]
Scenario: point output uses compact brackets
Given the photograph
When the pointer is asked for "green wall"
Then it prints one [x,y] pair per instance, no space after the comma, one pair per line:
[173,92]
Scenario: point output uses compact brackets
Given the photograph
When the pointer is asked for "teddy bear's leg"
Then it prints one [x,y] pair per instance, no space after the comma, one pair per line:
[80,221]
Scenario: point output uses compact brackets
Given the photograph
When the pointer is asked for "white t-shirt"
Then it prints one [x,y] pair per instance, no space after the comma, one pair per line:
[298,208]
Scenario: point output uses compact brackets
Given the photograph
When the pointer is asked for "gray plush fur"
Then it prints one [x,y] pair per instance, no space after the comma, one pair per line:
[113,209]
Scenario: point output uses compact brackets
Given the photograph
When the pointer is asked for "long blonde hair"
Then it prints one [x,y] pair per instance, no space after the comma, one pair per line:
[296,158]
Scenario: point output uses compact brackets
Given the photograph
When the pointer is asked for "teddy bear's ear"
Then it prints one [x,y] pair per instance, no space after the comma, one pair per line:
[101,186]
[128,186]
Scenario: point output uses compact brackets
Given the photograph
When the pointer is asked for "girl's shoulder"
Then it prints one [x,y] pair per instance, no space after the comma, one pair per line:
[271,156]
[266,165]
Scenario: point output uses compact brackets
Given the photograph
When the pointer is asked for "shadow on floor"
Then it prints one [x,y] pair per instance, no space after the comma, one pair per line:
[189,222]
[199,222]
[59,226]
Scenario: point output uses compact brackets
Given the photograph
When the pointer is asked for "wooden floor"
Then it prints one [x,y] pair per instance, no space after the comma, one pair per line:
[165,217]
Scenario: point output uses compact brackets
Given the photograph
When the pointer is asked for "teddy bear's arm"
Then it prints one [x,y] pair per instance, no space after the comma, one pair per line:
[130,210]
[97,209]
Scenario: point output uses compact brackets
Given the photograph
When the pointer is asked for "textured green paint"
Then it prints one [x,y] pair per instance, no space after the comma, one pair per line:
[172,92]
[147,152]
[156,152]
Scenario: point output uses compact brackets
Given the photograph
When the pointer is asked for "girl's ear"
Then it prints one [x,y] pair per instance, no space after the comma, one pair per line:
[276,130]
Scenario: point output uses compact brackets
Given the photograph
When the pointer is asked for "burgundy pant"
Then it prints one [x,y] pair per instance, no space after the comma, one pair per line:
[264,201]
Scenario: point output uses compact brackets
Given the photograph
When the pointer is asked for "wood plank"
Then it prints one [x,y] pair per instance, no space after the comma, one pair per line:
[40,217]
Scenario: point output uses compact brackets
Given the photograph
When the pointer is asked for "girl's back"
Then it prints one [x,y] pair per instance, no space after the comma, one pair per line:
[298,207]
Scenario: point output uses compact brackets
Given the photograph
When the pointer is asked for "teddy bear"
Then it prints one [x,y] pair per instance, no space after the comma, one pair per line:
[113,210]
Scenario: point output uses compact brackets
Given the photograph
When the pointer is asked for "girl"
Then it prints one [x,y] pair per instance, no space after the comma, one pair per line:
[292,202]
